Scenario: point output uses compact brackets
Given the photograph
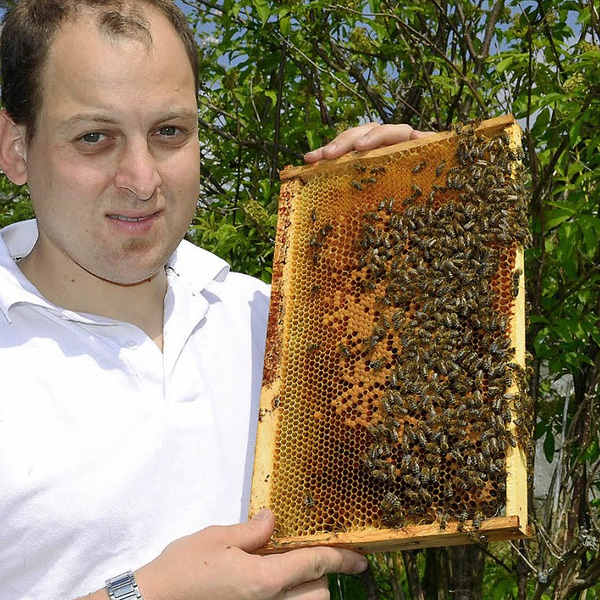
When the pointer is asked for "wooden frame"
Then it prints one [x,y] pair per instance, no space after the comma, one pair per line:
[513,524]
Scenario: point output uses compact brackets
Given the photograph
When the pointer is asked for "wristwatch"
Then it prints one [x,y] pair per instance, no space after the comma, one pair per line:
[123,587]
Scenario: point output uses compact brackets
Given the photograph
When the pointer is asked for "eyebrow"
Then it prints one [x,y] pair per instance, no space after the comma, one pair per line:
[94,117]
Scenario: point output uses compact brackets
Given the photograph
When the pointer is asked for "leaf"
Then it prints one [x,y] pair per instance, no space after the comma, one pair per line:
[542,120]
[285,25]
[504,64]
[501,588]
[538,319]
[553,218]
[540,429]
[263,10]
[549,446]
[591,453]
[313,140]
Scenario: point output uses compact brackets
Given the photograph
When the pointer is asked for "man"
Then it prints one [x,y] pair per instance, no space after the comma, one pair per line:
[130,361]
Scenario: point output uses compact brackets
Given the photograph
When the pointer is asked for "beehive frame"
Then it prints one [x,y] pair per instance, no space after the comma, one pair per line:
[397,327]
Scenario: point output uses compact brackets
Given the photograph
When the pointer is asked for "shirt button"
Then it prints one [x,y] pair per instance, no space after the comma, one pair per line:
[131,344]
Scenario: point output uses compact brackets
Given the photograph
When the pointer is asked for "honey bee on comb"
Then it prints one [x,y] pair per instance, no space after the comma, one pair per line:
[420,356]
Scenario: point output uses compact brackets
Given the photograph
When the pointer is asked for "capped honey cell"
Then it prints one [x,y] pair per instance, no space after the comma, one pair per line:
[394,409]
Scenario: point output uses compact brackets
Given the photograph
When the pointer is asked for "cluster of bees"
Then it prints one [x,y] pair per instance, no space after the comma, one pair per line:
[441,267]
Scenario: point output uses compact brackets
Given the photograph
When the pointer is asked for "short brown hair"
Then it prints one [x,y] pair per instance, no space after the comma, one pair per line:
[31,26]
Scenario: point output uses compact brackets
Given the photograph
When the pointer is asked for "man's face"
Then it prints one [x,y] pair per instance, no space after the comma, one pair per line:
[113,168]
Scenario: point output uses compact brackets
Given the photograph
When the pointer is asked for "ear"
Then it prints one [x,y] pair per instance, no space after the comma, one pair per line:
[13,150]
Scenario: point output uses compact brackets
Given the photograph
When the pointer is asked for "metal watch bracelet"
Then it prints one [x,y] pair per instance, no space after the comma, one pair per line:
[123,587]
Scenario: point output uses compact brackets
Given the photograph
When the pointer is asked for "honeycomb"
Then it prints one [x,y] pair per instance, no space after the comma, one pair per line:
[394,392]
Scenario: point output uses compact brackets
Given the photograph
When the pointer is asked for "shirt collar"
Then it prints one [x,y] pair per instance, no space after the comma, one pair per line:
[197,266]
[16,241]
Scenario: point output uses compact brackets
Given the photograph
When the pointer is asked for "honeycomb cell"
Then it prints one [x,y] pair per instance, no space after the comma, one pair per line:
[391,339]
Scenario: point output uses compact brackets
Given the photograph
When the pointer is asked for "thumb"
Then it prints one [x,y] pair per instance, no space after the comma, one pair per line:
[254,534]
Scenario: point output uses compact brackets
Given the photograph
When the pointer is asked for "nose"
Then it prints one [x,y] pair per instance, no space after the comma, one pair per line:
[137,171]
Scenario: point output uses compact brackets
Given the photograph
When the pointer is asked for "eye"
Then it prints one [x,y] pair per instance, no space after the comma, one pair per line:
[169,131]
[93,137]
[171,136]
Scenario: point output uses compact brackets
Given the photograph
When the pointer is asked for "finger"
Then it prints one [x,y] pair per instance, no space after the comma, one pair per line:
[311,590]
[386,135]
[342,144]
[309,564]
[249,536]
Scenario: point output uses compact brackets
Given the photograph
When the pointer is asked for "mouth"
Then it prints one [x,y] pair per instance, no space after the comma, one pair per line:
[127,219]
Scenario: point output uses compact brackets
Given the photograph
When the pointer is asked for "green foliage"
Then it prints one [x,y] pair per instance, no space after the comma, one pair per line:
[14,203]
[343,587]
[280,78]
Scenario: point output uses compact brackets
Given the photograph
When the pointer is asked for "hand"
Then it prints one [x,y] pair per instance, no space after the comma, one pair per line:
[217,564]
[365,137]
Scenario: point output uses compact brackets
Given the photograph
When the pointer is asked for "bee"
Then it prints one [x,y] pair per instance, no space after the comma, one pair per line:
[419,167]
[416,190]
[368,462]
[444,443]
[431,447]
[377,364]
[439,168]
[443,516]
[462,518]
[313,346]
[405,462]
[313,215]
[477,519]
[373,430]
[356,185]
[455,181]
[377,170]
[515,282]
[392,434]
[476,482]
[392,501]
[325,230]
[457,455]
[415,467]
[360,168]
[448,490]
[391,471]
[413,496]
[344,350]
[315,289]
[426,496]
[379,475]
[433,459]
[387,407]
[309,501]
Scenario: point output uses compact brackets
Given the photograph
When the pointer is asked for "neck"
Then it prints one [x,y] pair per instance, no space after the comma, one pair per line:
[140,304]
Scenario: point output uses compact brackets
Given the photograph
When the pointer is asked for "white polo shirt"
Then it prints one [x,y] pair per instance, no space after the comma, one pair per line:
[110,449]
